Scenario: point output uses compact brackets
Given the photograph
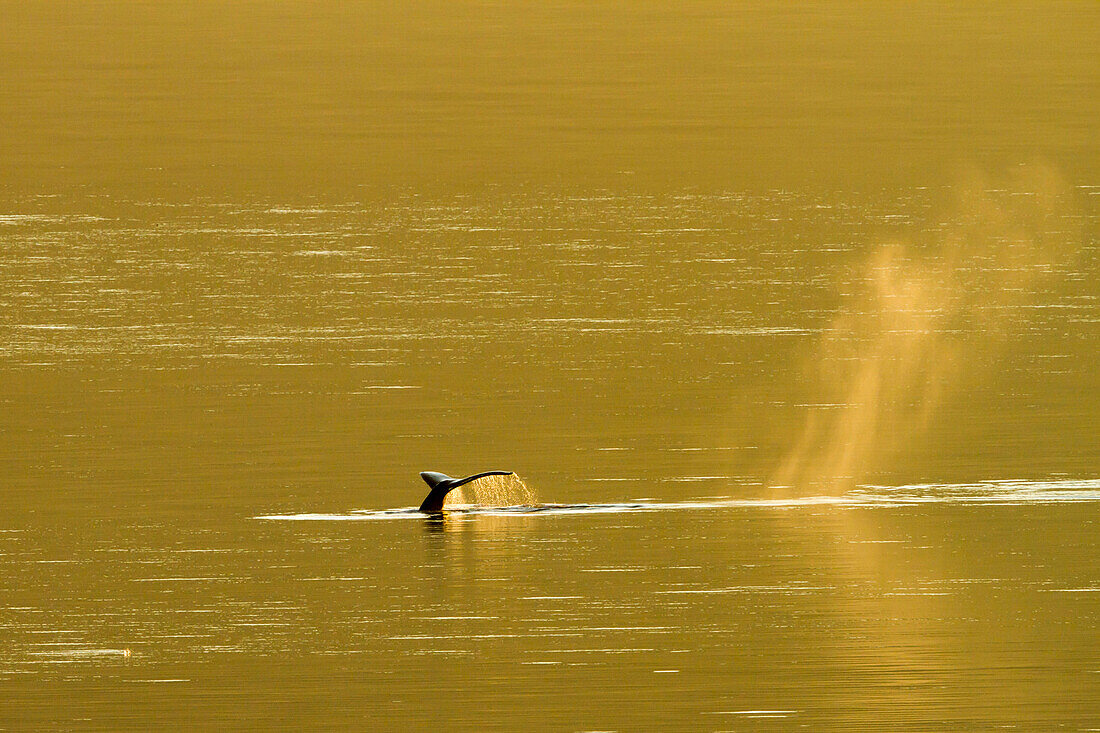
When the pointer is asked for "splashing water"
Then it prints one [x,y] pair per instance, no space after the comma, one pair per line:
[933,316]
[493,491]
[984,493]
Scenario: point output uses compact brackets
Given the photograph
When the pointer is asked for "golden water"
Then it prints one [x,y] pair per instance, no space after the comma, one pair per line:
[933,318]
[793,306]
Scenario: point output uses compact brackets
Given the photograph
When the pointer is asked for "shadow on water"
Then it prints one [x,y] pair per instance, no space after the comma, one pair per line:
[435,524]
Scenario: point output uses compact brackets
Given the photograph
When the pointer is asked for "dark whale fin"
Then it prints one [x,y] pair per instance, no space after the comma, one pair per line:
[433,479]
[441,484]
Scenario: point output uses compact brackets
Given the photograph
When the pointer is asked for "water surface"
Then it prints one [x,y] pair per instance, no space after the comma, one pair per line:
[788,315]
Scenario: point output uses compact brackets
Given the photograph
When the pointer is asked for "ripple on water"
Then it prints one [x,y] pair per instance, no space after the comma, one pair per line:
[1001,492]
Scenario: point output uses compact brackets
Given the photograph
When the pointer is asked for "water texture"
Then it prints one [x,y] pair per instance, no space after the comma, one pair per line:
[786,314]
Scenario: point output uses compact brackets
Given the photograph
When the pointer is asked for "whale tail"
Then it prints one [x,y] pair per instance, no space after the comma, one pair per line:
[441,484]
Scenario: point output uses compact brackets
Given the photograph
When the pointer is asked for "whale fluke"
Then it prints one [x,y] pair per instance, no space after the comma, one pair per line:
[441,484]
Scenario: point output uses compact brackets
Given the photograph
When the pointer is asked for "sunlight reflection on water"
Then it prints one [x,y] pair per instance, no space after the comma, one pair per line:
[1001,492]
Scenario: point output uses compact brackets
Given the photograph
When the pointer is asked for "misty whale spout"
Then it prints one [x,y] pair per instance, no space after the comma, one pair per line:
[441,484]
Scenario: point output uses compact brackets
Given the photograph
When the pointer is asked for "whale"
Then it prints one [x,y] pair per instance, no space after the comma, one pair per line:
[441,484]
